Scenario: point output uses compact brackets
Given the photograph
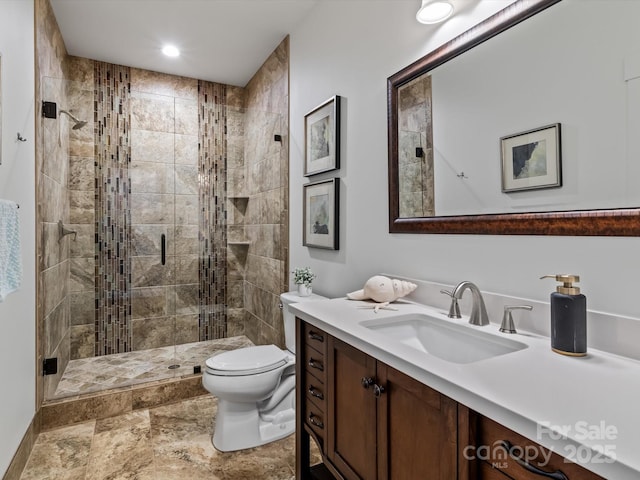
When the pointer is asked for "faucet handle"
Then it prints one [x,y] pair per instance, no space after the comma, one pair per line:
[507,325]
[454,308]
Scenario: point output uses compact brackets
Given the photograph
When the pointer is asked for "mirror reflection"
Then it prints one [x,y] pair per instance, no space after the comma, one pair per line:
[577,64]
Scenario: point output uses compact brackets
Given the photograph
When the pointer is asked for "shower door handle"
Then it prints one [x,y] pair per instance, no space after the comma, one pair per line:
[163,248]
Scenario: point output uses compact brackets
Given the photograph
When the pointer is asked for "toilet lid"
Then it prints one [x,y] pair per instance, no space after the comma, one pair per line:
[245,361]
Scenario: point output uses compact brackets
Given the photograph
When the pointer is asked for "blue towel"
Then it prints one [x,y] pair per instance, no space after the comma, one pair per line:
[10,258]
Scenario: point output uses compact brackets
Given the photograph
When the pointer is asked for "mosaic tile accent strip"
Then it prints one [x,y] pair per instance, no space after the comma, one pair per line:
[212,191]
[113,332]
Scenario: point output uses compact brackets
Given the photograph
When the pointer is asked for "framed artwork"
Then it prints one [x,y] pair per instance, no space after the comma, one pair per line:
[532,159]
[320,217]
[322,138]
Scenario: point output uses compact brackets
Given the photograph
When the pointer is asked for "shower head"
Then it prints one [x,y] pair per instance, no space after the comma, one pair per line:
[78,124]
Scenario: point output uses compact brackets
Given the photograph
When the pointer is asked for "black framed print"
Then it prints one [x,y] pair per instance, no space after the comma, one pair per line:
[320,214]
[532,159]
[322,138]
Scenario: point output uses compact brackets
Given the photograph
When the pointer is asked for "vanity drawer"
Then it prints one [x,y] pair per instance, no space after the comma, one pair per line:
[315,364]
[491,434]
[315,391]
[315,338]
[315,419]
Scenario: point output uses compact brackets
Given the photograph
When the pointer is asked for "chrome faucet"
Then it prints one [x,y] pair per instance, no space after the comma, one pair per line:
[454,308]
[478,310]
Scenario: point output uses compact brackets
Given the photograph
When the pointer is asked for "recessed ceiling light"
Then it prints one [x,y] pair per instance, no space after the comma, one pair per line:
[434,12]
[170,51]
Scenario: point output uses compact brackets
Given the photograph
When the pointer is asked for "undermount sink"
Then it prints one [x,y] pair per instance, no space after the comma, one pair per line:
[443,339]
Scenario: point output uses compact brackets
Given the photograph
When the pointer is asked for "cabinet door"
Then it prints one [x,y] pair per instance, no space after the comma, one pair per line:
[351,412]
[417,429]
[536,463]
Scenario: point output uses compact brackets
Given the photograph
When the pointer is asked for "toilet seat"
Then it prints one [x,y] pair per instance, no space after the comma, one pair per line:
[247,361]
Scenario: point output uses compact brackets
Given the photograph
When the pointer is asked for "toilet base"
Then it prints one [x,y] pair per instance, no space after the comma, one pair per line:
[240,425]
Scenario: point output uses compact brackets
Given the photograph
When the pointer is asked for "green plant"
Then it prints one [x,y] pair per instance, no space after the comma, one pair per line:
[303,275]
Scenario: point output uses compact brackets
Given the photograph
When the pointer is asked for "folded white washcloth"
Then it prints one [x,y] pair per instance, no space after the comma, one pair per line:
[10,257]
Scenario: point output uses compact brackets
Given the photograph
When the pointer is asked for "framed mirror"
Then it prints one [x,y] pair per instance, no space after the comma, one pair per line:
[452,113]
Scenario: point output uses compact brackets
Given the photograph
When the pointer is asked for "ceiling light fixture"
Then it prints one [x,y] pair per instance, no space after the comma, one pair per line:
[170,51]
[434,11]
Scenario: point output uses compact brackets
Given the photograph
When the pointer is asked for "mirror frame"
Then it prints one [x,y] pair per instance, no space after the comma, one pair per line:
[606,222]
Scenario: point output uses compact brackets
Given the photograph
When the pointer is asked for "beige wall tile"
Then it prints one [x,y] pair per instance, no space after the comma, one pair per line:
[186,271]
[186,329]
[54,286]
[149,208]
[152,112]
[146,239]
[152,146]
[147,177]
[163,84]
[186,116]
[153,332]
[82,307]
[82,341]
[81,173]
[81,207]
[149,302]
[186,149]
[186,239]
[82,274]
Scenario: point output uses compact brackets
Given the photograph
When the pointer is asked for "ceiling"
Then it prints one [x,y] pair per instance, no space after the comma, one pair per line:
[224,41]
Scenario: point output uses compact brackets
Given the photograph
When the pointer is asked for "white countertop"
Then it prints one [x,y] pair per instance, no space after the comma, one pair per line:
[594,400]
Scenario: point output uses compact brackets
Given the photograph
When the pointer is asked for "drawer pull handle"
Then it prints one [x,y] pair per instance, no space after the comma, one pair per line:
[557,475]
[315,336]
[316,393]
[314,420]
[316,364]
[366,382]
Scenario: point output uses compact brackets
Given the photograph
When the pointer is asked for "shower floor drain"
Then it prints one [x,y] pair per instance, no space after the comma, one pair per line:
[173,367]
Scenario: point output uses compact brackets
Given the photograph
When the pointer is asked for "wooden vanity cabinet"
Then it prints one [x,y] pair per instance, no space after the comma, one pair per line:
[378,423]
[372,422]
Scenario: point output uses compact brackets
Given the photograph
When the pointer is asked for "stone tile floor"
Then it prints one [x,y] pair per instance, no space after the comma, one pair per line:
[95,374]
[162,443]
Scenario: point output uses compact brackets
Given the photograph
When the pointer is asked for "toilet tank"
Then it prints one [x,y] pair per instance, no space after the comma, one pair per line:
[289,318]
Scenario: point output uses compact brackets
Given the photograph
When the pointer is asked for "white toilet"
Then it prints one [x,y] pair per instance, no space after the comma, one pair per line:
[255,387]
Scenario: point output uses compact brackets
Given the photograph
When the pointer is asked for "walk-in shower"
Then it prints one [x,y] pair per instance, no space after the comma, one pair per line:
[140,292]
[177,190]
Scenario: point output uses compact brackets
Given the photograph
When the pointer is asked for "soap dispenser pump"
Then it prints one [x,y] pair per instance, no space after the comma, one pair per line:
[568,317]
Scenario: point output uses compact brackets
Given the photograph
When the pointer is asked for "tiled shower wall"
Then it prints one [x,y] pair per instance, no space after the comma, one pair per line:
[267,186]
[165,299]
[164,172]
[416,178]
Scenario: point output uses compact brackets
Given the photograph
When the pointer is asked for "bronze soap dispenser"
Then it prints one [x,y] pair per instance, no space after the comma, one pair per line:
[568,317]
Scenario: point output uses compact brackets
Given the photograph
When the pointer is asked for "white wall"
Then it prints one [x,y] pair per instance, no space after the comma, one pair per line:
[17,183]
[340,50]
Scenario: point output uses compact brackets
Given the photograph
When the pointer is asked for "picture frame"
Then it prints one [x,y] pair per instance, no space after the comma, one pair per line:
[321,214]
[322,138]
[532,160]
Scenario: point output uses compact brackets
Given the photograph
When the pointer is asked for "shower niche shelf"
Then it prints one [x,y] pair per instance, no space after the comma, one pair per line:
[239,203]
